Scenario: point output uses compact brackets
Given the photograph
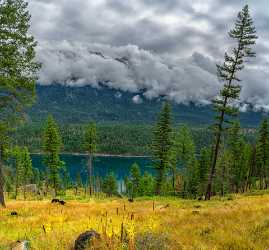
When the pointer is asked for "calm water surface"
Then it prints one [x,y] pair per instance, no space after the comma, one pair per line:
[102,165]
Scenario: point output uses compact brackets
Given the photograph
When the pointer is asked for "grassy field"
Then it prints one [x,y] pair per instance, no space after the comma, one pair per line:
[161,223]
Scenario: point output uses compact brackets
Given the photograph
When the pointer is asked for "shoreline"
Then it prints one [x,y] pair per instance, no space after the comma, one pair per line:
[101,155]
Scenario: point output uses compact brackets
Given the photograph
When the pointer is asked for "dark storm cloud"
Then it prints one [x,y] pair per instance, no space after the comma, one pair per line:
[181,39]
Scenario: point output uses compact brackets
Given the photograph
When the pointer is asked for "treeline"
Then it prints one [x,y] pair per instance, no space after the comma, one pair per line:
[113,138]
[242,165]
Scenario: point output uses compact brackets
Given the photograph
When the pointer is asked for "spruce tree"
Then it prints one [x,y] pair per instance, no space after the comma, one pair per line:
[110,185]
[135,177]
[262,154]
[184,156]
[203,166]
[3,148]
[18,69]
[244,34]
[237,148]
[79,183]
[52,146]
[184,146]
[24,168]
[90,147]
[146,185]
[161,145]
[27,169]
[18,168]
[66,179]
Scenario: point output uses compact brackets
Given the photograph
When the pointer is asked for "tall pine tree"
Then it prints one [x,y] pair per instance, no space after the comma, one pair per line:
[18,68]
[52,146]
[262,154]
[244,34]
[161,145]
[90,147]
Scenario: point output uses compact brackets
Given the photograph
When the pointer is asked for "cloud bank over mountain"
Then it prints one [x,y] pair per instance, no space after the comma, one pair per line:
[147,47]
[128,68]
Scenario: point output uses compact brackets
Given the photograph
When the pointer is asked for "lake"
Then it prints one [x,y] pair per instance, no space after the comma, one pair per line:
[102,165]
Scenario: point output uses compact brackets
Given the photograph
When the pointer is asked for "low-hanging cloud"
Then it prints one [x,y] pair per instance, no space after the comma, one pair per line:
[128,68]
[176,46]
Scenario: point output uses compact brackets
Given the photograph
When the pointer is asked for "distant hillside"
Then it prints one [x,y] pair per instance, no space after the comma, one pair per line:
[82,104]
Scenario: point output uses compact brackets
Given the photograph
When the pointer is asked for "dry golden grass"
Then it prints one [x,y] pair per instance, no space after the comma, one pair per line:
[242,223]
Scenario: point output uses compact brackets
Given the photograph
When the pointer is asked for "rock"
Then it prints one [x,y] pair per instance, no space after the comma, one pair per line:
[14,213]
[58,201]
[84,240]
[55,201]
[31,188]
[21,245]
[62,202]
[166,206]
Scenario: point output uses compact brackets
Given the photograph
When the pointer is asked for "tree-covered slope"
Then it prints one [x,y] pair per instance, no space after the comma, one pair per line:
[83,104]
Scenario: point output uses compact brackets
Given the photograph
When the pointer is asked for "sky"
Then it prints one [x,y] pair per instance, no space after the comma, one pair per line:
[148,47]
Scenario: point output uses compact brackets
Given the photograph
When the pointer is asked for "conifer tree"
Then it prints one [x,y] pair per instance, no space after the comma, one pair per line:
[90,147]
[36,177]
[18,169]
[238,149]
[184,146]
[66,179]
[24,168]
[135,177]
[3,148]
[203,166]
[146,185]
[184,155]
[79,180]
[262,154]
[18,69]
[110,185]
[161,144]
[244,34]
[27,169]
[52,146]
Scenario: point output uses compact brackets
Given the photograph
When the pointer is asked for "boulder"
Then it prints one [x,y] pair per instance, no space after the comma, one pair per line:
[62,202]
[55,200]
[31,188]
[85,239]
[21,245]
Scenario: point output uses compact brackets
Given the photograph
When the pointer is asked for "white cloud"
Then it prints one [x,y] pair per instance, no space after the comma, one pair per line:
[137,99]
[128,68]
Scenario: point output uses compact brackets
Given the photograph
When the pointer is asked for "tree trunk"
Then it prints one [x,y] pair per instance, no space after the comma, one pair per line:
[90,172]
[214,162]
[159,181]
[222,181]
[174,178]
[2,195]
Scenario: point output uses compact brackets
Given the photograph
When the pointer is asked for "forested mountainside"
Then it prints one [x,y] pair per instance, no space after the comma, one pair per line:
[75,105]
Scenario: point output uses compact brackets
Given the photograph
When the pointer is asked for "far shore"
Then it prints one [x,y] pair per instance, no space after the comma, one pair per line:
[101,155]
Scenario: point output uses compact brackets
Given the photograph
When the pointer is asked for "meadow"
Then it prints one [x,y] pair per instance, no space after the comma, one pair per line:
[234,222]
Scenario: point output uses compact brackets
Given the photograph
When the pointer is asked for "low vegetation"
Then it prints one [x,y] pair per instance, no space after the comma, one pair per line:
[234,222]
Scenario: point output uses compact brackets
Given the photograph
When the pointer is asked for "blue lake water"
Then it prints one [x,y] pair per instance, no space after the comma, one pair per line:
[102,165]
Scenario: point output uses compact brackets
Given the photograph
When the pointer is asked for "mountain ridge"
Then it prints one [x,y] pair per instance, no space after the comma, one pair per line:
[83,104]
